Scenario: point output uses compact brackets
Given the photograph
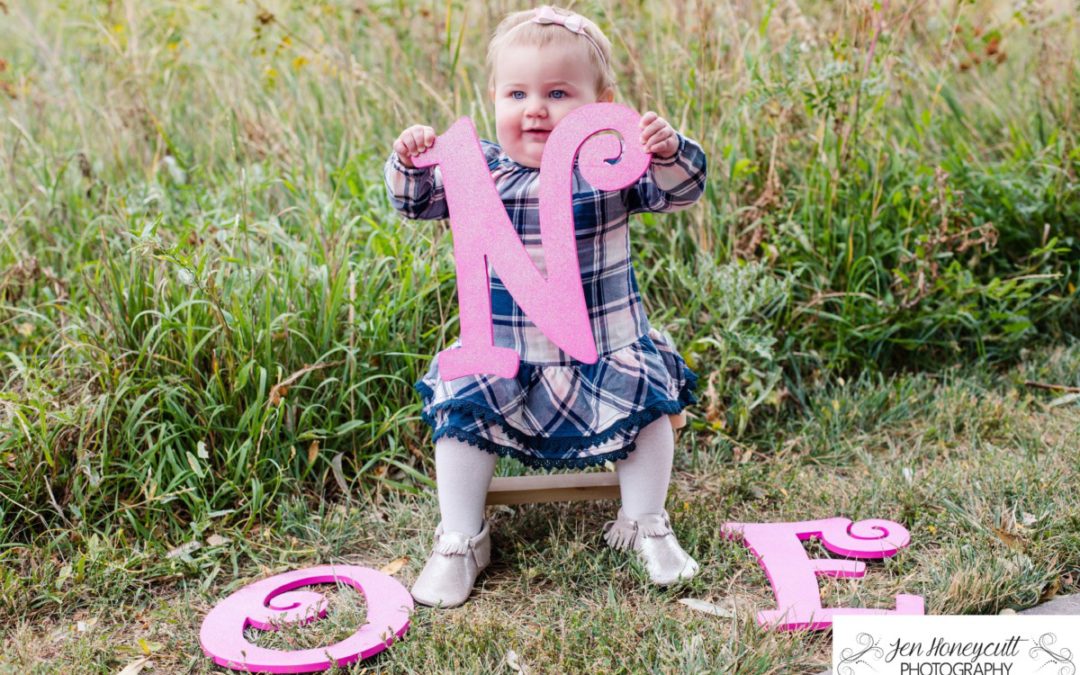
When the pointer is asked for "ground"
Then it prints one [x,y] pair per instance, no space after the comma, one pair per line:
[978,465]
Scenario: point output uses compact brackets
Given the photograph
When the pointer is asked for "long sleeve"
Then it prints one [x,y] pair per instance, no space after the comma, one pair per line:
[415,193]
[670,184]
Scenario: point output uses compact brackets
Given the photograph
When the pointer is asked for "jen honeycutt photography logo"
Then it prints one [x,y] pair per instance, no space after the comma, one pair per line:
[955,645]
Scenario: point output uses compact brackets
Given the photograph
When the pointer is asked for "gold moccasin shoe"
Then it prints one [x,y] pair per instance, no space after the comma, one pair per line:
[652,538]
[450,572]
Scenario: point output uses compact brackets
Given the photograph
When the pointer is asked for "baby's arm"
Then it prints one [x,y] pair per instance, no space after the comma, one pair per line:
[676,177]
[416,193]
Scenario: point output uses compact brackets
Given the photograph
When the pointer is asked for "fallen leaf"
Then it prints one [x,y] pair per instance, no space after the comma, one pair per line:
[394,565]
[184,549]
[708,607]
[339,475]
[279,390]
[1011,540]
[1051,590]
[135,667]
[217,540]
[313,451]
[62,576]
[1064,400]
[513,664]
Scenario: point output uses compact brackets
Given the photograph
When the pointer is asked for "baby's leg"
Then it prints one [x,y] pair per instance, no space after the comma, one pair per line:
[643,525]
[644,475]
[463,539]
[463,475]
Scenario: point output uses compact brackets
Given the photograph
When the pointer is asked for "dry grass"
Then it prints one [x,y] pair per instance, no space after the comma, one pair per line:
[210,317]
[993,522]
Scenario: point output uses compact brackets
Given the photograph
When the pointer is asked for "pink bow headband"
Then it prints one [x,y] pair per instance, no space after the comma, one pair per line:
[575,23]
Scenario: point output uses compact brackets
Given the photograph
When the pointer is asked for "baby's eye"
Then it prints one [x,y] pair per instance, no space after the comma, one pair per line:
[517,95]
[557,93]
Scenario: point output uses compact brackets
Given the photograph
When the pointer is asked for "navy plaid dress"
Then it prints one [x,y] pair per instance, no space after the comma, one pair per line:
[557,411]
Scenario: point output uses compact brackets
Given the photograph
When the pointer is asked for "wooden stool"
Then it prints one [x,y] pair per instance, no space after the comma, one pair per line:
[561,487]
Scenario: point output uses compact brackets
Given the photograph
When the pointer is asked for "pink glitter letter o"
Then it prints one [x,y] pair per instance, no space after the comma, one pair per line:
[274,601]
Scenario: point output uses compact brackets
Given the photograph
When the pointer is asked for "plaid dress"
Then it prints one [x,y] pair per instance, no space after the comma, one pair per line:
[557,411]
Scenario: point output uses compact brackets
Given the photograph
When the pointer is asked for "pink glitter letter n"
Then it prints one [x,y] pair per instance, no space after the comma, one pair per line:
[483,233]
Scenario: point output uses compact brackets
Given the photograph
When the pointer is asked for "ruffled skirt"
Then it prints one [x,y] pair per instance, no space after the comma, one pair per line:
[562,416]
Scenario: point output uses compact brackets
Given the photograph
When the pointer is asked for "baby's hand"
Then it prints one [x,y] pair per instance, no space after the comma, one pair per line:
[412,142]
[658,137]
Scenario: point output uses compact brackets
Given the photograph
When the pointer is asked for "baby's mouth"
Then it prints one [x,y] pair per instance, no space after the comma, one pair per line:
[536,134]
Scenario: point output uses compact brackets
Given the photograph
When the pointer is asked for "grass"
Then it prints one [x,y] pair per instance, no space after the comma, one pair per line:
[208,302]
[210,318]
[975,465]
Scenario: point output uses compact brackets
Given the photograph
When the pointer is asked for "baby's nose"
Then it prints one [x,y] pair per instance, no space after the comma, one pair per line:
[536,109]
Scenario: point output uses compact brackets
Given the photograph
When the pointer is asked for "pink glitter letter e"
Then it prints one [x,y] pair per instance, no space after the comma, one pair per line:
[793,574]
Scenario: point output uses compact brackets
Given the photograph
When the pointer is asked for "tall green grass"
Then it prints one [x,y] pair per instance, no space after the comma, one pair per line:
[207,302]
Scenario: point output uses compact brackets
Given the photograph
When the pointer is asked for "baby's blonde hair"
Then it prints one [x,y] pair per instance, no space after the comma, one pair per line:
[533,34]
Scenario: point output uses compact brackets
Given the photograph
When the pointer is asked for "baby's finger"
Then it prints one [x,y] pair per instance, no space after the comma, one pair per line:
[654,128]
[661,137]
[664,134]
[647,119]
[418,140]
[665,149]
[424,138]
[403,154]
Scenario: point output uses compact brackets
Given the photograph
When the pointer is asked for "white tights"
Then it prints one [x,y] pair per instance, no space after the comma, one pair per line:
[463,474]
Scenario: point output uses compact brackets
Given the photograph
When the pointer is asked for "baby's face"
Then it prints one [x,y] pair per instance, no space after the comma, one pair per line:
[534,89]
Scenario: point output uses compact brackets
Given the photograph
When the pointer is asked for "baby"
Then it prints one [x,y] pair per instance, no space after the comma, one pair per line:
[557,412]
